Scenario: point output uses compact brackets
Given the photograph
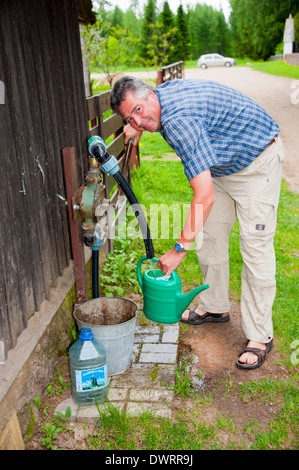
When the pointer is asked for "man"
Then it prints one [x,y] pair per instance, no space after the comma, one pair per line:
[232,157]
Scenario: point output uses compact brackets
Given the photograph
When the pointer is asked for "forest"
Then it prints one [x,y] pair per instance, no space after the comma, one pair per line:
[154,35]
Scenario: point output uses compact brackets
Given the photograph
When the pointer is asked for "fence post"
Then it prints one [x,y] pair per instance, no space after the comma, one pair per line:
[71,184]
[159,77]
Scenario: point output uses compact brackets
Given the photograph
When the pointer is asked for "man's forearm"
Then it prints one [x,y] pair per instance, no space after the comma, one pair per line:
[197,215]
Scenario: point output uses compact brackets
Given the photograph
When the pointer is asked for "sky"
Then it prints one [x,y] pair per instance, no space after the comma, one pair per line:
[217,4]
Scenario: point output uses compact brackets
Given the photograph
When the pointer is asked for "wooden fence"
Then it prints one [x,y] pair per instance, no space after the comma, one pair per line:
[171,72]
[109,127]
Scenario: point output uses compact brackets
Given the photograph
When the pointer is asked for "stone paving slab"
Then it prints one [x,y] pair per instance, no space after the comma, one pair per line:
[147,384]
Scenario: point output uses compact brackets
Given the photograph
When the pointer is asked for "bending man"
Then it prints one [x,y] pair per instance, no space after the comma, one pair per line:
[232,156]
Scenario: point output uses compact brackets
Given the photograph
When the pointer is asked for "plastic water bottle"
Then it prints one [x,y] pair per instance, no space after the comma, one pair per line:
[88,369]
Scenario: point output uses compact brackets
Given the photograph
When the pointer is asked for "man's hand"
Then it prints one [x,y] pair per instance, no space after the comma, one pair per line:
[131,133]
[170,261]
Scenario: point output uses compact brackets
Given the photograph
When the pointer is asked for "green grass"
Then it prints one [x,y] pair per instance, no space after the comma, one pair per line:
[277,67]
[273,67]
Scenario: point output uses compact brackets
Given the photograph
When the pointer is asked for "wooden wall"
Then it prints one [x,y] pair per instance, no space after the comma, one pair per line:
[44,111]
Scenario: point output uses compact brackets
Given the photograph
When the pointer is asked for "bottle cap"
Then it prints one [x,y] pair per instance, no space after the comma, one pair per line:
[86,334]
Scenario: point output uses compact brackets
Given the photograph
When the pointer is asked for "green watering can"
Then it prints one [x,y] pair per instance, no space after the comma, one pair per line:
[163,301]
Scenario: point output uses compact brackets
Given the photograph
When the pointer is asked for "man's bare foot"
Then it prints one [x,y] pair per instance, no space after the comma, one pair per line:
[249,357]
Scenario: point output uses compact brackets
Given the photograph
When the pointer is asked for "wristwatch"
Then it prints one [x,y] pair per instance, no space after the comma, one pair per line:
[180,248]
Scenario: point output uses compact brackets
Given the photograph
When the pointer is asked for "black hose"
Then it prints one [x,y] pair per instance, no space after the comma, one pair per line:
[95,273]
[121,181]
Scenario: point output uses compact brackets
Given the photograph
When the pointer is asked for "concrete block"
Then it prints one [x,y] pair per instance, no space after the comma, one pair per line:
[138,376]
[116,394]
[157,358]
[146,338]
[148,330]
[171,334]
[153,395]
[165,374]
[69,402]
[160,348]
[90,413]
[135,408]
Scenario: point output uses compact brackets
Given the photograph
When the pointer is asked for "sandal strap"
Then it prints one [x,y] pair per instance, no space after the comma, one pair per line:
[261,353]
[193,316]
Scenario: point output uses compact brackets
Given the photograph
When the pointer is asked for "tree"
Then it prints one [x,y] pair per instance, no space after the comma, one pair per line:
[258,25]
[117,17]
[108,47]
[182,43]
[161,47]
[203,29]
[166,32]
[147,29]
[131,20]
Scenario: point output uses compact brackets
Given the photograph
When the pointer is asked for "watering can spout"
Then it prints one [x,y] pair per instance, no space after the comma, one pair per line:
[184,300]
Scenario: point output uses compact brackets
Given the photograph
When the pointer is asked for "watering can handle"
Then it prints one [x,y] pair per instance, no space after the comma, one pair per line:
[139,276]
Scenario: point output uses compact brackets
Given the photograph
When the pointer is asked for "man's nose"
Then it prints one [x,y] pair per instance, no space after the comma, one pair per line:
[137,119]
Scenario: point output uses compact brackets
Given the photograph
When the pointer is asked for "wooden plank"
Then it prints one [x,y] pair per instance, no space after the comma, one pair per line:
[28,123]
[21,255]
[71,182]
[116,147]
[111,125]
[93,110]
[104,101]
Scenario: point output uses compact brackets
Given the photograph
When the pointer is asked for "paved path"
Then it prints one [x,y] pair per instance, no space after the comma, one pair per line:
[147,384]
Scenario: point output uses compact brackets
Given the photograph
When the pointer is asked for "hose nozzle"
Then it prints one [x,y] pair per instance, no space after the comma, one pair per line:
[97,149]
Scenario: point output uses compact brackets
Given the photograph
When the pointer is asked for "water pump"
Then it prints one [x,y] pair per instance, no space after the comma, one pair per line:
[109,164]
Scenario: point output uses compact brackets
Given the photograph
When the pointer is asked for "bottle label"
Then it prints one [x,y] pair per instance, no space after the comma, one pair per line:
[91,379]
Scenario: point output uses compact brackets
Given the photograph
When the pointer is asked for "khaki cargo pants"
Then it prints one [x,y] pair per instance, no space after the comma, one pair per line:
[252,196]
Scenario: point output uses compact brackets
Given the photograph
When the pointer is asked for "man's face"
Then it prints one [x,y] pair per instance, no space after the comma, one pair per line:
[143,115]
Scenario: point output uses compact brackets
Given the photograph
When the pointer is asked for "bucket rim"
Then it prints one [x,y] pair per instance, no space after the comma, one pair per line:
[103,297]
[106,326]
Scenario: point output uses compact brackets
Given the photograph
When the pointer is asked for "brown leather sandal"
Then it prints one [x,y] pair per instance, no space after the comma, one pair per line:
[261,355]
[196,319]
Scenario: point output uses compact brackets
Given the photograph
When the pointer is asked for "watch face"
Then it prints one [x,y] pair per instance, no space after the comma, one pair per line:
[178,247]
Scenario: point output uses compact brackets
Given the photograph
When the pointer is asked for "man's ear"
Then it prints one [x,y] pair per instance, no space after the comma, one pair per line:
[152,94]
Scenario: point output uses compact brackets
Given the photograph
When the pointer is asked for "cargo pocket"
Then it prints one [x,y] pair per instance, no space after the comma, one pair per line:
[262,220]
[281,153]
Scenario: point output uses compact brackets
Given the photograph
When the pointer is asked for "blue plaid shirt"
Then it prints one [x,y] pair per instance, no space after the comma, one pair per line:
[210,125]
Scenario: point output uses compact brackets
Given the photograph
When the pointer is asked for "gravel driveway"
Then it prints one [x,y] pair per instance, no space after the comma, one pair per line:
[278,95]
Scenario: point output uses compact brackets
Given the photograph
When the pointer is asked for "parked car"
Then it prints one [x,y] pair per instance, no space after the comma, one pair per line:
[212,60]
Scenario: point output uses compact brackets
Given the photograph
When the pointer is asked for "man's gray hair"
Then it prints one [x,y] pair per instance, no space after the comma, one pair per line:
[123,86]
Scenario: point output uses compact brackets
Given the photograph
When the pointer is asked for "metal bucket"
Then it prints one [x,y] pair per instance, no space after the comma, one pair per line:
[112,320]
